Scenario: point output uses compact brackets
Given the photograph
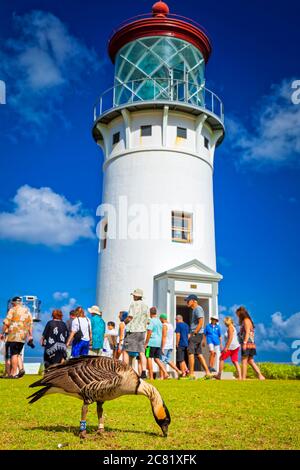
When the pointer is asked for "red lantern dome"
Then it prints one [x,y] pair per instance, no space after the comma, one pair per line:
[160,23]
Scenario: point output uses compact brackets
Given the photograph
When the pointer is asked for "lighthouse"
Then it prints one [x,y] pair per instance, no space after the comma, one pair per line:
[158,127]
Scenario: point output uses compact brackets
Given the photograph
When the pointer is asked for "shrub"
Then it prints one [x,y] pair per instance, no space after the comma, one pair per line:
[271,370]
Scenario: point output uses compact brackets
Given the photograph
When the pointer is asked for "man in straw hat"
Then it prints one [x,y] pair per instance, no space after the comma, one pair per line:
[98,329]
[136,325]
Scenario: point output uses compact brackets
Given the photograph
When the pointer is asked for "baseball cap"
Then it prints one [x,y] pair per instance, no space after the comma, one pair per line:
[191,297]
[16,299]
[164,316]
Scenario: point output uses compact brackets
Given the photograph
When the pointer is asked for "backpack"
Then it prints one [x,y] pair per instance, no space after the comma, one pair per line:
[78,335]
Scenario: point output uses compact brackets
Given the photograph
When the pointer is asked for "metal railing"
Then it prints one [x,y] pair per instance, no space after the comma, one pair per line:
[159,89]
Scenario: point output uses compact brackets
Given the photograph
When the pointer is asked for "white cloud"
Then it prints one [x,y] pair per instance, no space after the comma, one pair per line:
[290,328]
[42,216]
[222,309]
[274,137]
[41,63]
[276,335]
[59,296]
[67,307]
[273,346]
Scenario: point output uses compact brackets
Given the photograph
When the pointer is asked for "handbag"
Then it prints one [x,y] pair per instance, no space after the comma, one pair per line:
[78,335]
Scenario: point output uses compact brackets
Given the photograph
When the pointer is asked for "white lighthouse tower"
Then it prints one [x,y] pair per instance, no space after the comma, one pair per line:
[158,127]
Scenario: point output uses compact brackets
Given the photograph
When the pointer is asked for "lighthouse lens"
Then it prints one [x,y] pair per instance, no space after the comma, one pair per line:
[159,68]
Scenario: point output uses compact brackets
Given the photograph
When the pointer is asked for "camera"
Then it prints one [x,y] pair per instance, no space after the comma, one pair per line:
[30,344]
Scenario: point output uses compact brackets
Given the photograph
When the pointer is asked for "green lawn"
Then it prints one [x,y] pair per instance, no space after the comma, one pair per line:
[205,415]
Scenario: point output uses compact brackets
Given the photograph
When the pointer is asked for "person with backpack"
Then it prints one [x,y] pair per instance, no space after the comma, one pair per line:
[81,334]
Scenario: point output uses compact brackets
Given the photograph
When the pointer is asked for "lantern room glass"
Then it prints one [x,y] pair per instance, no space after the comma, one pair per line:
[159,68]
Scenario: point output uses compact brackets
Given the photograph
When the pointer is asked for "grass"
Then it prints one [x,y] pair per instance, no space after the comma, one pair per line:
[205,415]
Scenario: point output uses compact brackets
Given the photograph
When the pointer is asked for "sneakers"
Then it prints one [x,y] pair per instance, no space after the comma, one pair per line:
[143,375]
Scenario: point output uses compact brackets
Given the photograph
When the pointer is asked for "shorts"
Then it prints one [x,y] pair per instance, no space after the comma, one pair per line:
[55,358]
[135,342]
[13,348]
[167,357]
[155,353]
[180,354]
[195,344]
[232,353]
[134,354]
[248,352]
[81,348]
[214,348]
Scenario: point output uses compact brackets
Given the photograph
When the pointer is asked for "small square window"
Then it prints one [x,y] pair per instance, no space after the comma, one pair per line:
[146,131]
[182,132]
[116,138]
[206,142]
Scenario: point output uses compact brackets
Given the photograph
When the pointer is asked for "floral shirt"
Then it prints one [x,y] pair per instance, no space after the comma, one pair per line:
[19,322]
[139,313]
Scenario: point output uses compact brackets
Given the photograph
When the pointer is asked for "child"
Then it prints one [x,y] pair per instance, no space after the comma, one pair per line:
[213,336]
[231,349]
[110,340]
[122,331]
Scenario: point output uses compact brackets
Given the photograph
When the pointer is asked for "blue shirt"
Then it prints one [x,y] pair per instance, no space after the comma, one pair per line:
[213,334]
[155,326]
[183,329]
[198,312]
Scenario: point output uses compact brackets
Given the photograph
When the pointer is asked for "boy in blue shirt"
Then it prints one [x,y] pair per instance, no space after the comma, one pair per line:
[213,337]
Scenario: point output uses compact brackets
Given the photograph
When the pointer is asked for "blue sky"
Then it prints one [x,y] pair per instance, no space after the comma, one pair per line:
[45,142]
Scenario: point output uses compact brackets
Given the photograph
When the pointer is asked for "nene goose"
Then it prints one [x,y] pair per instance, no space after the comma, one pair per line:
[99,379]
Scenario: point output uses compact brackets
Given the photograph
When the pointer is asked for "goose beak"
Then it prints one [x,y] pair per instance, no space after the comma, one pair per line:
[164,429]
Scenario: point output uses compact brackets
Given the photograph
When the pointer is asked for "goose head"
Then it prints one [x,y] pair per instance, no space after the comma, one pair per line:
[162,417]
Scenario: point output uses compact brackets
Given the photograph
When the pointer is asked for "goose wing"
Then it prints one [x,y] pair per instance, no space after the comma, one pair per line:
[84,374]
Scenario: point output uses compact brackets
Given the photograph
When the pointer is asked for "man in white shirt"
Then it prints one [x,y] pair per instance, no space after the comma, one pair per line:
[136,325]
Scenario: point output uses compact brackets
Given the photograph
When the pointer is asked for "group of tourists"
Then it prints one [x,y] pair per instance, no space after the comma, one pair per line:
[142,334]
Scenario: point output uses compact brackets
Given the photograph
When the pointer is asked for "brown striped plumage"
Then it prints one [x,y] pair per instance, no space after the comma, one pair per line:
[99,379]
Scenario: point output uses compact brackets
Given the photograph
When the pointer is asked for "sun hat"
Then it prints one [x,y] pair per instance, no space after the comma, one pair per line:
[138,293]
[164,316]
[214,318]
[95,309]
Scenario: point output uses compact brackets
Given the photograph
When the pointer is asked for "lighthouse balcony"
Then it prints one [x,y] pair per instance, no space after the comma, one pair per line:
[156,93]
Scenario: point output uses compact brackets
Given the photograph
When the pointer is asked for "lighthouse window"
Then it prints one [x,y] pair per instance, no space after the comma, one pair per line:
[116,138]
[146,131]
[104,235]
[182,132]
[206,142]
[182,224]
